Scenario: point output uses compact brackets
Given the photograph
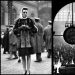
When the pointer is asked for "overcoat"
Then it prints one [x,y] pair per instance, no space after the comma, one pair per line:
[48,37]
[38,39]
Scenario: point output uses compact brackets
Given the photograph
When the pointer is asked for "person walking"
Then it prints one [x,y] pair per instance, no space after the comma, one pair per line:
[39,47]
[24,26]
[48,39]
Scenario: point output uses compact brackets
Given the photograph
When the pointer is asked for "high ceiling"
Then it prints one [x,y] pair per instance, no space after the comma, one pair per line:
[36,3]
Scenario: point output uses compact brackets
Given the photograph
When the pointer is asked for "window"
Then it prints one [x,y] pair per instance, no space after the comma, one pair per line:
[2,15]
[64,15]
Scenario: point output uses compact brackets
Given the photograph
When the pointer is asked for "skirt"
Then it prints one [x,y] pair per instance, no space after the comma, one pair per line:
[26,51]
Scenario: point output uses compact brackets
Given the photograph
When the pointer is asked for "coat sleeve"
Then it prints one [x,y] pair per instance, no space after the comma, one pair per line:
[15,29]
[33,28]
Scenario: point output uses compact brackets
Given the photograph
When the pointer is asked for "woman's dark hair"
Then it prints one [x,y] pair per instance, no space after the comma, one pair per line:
[24,9]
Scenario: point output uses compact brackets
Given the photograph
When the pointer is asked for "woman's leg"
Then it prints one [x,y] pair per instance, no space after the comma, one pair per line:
[28,63]
[24,63]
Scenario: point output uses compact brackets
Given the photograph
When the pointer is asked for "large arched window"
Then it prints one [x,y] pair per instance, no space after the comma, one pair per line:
[2,15]
[14,15]
[59,26]
[64,15]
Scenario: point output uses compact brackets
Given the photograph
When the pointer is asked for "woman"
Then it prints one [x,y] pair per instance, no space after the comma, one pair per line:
[24,27]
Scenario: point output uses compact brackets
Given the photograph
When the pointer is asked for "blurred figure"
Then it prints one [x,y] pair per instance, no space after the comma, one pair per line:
[2,36]
[48,38]
[12,44]
[5,41]
[39,48]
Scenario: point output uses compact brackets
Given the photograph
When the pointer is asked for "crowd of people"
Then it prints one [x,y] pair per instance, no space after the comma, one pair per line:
[26,37]
[66,54]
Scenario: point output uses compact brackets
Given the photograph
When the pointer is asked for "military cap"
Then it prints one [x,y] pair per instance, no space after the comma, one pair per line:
[25,8]
[50,22]
[37,19]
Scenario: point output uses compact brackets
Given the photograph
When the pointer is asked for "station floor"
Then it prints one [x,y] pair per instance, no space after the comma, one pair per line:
[13,67]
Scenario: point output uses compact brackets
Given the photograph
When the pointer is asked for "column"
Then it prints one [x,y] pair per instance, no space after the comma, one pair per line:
[9,12]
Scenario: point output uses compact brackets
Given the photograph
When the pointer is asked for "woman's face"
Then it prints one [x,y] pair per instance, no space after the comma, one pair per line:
[24,13]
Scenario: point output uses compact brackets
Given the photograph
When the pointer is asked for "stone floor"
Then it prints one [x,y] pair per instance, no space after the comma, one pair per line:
[13,67]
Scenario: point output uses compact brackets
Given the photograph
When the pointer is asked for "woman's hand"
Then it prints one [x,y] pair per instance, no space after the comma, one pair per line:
[24,27]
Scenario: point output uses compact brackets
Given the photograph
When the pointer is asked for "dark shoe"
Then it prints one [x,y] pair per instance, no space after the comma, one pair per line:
[4,52]
[39,60]
[19,60]
[28,73]
[25,72]
[48,56]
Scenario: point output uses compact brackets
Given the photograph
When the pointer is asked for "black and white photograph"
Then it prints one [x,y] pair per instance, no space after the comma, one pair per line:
[26,37]
[64,40]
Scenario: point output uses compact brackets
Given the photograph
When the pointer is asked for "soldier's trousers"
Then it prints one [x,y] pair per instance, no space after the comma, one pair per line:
[38,56]
[49,52]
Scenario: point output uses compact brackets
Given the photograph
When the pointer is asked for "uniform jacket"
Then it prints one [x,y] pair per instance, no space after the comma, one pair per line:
[38,38]
[48,37]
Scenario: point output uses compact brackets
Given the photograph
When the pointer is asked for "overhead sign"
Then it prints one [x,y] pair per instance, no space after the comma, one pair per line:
[45,5]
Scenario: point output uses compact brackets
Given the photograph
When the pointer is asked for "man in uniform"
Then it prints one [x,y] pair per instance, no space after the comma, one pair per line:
[48,38]
[39,48]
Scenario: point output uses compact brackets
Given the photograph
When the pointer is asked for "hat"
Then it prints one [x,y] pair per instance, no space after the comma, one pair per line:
[37,19]
[9,26]
[25,8]
[50,22]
